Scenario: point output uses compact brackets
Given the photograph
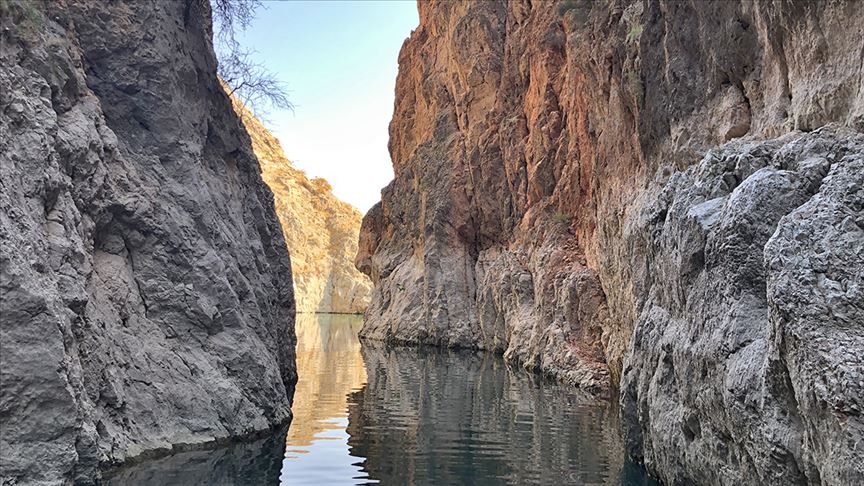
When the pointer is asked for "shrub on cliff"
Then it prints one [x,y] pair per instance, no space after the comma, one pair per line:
[321,185]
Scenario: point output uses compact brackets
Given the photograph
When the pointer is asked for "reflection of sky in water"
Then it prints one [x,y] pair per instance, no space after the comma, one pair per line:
[325,461]
[411,416]
[329,366]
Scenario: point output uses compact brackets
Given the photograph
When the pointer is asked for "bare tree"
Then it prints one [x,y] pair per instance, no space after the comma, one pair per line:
[248,80]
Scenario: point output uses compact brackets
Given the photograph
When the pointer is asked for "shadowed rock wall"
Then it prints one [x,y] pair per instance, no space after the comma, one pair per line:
[146,286]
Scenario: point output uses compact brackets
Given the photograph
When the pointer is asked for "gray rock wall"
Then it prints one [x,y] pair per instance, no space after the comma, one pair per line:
[748,349]
[146,287]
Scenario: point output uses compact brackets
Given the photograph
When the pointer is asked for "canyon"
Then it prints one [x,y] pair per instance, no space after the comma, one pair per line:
[320,230]
[660,202]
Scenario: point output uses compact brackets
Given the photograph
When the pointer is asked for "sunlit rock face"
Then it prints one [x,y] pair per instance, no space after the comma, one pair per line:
[321,231]
[146,285]
[664,196]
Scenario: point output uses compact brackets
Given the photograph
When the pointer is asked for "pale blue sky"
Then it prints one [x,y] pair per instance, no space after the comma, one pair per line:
[339,61]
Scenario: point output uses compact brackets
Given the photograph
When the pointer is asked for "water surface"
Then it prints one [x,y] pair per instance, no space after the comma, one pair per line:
[369,414]
[397,416]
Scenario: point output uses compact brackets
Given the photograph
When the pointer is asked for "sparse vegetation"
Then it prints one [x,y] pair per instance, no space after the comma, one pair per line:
[634,33]
[566,6]
[634,86]
[321,185]
[25,15]
[561,218]
[249,81]
[580,9]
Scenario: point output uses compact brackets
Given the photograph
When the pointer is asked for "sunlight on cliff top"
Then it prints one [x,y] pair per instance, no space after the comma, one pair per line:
[345,49]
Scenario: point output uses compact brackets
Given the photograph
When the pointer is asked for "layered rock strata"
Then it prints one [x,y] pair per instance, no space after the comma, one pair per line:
[321,231]
[660,196]
[146,288]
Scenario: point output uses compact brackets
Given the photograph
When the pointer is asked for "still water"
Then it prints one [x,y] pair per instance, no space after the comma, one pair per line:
[369,414]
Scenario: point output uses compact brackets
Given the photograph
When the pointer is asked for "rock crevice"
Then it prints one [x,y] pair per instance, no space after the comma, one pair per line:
[320,230]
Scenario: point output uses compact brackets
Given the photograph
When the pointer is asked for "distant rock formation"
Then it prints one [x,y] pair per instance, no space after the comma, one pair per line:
[145,287]
[320,230]
[568,192]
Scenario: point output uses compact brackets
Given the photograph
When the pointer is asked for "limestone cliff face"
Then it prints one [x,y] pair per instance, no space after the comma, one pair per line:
[568,192]
[320,230]
[146,287]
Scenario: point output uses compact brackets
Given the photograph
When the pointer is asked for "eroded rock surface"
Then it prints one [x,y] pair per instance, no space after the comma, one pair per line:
[146,286]
[321,231]
[748,348]
[661,196]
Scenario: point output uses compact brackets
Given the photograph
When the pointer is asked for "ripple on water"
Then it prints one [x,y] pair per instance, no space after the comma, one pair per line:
[412,416]
[432,416]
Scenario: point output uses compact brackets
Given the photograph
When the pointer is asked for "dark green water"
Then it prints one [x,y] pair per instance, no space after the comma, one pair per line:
[368,414]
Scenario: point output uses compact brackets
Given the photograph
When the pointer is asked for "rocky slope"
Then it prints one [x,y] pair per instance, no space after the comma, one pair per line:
[146,286]
[320,230]
[568,192]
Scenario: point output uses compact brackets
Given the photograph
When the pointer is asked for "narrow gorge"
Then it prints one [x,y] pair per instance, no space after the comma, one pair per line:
[320,230]
[623,245]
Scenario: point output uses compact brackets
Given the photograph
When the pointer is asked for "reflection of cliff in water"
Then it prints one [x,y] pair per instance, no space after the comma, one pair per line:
[455,417]
[254,462]
[426,416]
[329,366]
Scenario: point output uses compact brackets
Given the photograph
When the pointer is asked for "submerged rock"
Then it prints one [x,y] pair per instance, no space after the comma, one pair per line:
[321,231]
[251,462]
[659,196]
[146,286]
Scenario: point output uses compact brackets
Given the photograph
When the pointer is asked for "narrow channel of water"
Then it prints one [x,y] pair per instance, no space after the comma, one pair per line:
[369,414]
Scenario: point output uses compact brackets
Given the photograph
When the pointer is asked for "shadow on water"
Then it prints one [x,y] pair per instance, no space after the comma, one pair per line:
[254,462]
[371,414]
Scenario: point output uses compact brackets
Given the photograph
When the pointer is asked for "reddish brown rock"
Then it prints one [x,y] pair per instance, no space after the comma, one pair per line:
[554,200]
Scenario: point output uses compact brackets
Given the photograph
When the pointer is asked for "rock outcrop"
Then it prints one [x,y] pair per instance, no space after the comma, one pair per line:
[321,231]
[146,287]
[660,196]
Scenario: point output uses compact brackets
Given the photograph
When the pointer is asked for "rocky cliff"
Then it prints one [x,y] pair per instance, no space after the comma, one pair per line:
[320,230]
[146,287]
[659,199]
